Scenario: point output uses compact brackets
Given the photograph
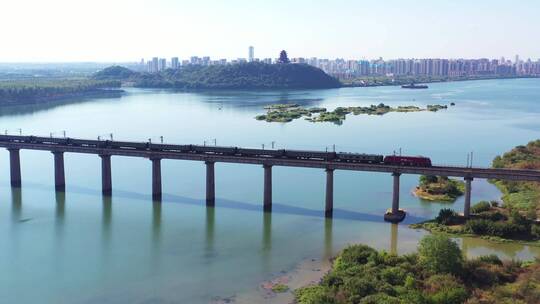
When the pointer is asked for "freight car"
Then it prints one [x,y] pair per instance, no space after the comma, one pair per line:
[360,158]
[413,161]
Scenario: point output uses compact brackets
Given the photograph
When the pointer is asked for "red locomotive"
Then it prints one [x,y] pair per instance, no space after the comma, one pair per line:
[413,161]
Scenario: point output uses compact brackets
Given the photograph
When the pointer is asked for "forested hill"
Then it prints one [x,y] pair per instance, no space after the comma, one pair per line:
[252,75]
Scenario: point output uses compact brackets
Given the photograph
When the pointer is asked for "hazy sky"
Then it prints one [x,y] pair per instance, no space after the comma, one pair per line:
[127,30]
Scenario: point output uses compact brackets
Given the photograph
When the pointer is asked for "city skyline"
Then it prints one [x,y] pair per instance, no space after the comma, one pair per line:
[106,31]
[438,67]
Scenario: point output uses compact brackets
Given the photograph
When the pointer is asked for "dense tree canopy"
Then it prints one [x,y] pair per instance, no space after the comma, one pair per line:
[252,75]
[31,91]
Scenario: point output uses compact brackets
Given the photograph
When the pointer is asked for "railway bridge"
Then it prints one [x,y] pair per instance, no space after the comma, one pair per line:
[211,155]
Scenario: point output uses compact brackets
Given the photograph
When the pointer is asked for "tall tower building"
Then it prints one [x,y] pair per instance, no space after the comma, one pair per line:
[162,64]
[251,56]
[154,65]
[175,63]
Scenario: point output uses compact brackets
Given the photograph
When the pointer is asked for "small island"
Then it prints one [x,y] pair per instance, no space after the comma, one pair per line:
[290,112]
[439,188]
[515,220]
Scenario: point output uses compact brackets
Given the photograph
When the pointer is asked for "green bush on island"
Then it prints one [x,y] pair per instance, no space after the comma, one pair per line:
[438,273]
[439,188]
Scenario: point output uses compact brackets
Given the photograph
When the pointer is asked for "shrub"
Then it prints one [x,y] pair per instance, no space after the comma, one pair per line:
[494,204]
[480,226]
[491,259]
[439,254]
[535,231]
[481,207]
[359,287]
[492,216]
[355,255]
[380,298]
[394,275]
[445,289]
[313,295]
[446,217]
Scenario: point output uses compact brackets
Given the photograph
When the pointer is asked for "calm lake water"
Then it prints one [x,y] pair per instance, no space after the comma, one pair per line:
[78,247]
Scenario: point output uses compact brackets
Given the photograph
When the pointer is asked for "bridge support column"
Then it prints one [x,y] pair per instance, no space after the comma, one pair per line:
[467,207]
[267,200]
[396,215]
[15,167]
[395,196]
[329,206]
[210,184]
[106,174]
[59,174]
[156,178]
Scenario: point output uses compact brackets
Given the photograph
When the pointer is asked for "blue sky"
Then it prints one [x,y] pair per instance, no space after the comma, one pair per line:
[122,30]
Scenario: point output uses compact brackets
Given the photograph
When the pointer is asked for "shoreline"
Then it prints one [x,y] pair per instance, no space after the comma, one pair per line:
[100,93]
[497,240]
[436,81]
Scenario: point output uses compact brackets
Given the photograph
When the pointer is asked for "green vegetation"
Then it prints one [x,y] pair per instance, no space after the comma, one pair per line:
[252,75]
[522,196]
[290,112]
[114,73]
[439,188]
[515,220]
[279,288]
[487,220]
[27,91]
[438,273]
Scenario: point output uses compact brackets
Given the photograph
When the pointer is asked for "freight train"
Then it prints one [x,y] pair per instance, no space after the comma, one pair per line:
[396,160]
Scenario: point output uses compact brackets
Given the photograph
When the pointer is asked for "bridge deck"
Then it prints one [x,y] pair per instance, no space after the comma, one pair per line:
[470,172]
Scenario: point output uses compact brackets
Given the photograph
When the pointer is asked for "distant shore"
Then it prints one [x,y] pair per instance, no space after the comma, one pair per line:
[389,81]
[37,99]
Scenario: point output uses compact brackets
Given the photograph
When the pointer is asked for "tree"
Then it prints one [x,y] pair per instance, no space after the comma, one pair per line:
[439,254]
[283,58]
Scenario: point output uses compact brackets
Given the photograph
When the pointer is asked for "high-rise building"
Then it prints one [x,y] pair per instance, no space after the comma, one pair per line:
[162,64]
[175,63]
[155,66]
[251,54]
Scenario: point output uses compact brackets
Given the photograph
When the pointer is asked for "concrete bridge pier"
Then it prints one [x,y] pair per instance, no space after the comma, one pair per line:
[210,184]
[106,174]
[156,178]
[267,200]
[59,173]
[467,207]
[395,215]
[15,167]
[329,202]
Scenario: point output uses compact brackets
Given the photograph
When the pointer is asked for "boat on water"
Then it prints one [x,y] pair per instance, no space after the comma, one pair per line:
[414,86]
